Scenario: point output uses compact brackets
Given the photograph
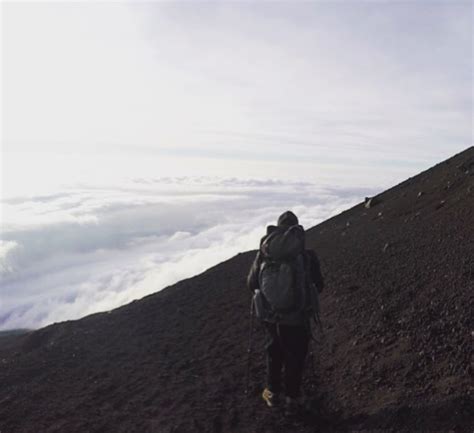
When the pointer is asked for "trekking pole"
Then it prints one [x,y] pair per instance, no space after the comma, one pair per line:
[320,325]
[312,358]
[317,316]
[249,347]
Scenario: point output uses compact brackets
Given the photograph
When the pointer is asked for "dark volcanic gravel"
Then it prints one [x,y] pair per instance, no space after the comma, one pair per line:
[396,355]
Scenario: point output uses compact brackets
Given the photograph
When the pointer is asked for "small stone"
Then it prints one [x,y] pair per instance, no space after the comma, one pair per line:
[420,194]
[385,247]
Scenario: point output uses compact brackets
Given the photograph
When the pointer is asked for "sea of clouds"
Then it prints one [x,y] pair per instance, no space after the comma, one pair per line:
[86,249]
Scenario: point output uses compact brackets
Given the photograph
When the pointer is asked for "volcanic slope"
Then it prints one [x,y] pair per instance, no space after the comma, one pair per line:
[395,356]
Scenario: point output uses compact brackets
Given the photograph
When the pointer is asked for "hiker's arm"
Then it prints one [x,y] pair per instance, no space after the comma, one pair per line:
[252,278]
[315,271]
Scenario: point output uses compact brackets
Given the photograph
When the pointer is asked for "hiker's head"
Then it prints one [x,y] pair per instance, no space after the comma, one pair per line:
[287,219]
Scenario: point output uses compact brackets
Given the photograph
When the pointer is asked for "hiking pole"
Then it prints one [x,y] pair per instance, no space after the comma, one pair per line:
[249,347]
[311,353]
[321,328]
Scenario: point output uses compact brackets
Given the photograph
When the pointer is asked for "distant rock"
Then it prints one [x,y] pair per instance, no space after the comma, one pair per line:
[371,202]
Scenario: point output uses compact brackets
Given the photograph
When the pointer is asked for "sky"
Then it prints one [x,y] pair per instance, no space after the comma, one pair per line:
[142,143]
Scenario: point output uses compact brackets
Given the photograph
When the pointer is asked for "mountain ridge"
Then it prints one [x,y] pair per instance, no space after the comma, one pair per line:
[396,311]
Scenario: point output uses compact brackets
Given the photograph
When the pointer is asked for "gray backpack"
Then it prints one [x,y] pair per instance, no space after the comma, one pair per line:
[282,274]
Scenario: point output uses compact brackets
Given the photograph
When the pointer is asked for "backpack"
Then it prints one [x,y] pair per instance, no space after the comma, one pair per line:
[281,276]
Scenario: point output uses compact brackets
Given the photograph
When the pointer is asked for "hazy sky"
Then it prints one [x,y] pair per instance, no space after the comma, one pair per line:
[354,85]
[161,137]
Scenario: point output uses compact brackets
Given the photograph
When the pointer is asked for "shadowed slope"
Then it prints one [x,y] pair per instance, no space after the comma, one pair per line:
[396,353]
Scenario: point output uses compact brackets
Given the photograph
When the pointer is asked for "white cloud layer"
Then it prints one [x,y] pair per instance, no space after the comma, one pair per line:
[83,250]
[143,142]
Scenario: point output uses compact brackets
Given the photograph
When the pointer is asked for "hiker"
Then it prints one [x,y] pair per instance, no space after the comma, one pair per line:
[285,280]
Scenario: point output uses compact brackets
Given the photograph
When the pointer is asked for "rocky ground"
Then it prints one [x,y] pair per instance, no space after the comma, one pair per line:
[395,356]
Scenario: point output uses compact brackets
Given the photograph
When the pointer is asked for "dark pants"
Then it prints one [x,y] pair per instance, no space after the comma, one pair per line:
[286,349]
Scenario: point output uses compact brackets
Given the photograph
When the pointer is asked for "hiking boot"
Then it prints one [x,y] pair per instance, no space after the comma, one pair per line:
[270,398]
[292,407]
